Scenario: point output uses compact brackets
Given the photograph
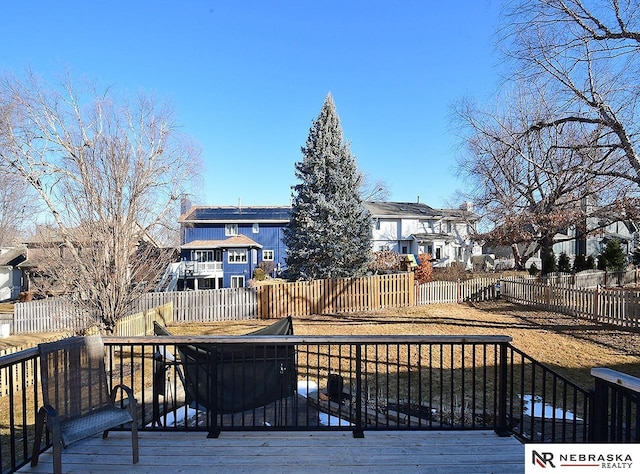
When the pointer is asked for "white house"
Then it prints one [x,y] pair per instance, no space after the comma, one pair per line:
[415,228]
[10,272]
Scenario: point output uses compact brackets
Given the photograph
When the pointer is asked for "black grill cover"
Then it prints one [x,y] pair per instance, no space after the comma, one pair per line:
[233,378]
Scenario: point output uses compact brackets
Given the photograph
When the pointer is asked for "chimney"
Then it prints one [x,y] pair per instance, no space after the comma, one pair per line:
[418,200]
[185,205]
[467,206]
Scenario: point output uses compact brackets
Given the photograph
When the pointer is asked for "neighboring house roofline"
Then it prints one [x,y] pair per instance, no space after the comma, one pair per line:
[13,257]
[412,210]
[431,237]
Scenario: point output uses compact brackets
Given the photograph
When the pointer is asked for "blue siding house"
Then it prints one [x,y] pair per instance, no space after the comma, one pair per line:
[221,246]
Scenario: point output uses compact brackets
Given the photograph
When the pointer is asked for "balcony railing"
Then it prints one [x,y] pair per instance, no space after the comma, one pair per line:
[193,268]
[355,383]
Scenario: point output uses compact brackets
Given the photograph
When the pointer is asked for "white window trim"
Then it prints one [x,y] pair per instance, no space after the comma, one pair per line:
[270,257]
[255,228]
[239,279]
[230,229]
[237,256]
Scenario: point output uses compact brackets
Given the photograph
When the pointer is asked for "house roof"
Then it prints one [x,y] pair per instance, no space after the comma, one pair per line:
[382,209]
[47,236]
[13,256]
[281,214]
[222,214]
[237,241]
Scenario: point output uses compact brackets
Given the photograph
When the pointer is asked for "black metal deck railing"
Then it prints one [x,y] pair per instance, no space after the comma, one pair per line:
[356,383]
[615,414]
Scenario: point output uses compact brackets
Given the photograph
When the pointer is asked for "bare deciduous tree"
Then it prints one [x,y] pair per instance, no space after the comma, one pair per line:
[530,184]
[17,208]
[110,173]
[587,52]
[17,201]
[374,189]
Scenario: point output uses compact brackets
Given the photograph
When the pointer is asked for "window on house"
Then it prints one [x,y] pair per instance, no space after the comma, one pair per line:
[377,224]
[459,253]
[256,228]
[267,255]
[202,256]
[438,253]
[237,281]
[448,227]
[404,249]
[237,256]
[231,229]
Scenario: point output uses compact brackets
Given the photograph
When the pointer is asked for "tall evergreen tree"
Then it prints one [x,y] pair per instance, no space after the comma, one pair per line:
[329,233]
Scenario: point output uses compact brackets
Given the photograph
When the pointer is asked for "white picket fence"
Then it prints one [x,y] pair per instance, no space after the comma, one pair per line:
[206,305]
[477,289]
[59,314]
[50,315]
[620,307]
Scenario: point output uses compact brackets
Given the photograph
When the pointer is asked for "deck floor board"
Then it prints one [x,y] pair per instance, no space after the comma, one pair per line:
[303,451]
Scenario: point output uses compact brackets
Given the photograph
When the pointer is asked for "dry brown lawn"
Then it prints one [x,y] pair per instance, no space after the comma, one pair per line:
[570,345]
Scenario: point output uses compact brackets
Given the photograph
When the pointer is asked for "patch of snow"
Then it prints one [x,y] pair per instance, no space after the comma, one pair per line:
[545,410]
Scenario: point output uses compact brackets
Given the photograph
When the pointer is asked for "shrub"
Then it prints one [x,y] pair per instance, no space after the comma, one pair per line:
[579,263]
[549,264]
[612,257]
[267,267]
[564,264]
[424,272]
[384,261]
[259,275]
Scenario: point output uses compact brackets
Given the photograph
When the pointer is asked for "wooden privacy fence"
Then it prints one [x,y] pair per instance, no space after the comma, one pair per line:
[336,295]
[619,307]
[477,289]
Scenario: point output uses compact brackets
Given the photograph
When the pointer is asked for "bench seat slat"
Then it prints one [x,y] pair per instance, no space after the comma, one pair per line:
[93,423]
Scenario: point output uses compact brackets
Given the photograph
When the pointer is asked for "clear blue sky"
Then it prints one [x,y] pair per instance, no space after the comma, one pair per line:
[247,78]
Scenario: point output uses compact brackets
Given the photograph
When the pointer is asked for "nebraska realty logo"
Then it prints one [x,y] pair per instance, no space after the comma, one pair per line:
[577,458]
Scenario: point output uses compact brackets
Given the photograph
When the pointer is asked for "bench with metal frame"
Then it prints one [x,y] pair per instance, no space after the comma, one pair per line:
[77,400]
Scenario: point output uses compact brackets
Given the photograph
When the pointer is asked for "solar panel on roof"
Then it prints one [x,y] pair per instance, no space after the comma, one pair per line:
[211,213]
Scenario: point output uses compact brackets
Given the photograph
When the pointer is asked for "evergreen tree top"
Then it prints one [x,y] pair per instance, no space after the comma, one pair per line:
[329,231]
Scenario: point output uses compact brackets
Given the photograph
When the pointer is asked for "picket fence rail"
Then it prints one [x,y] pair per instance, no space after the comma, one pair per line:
[620,307]
[476,289]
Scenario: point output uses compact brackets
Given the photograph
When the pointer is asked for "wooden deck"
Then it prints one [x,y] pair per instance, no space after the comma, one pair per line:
[301,452]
